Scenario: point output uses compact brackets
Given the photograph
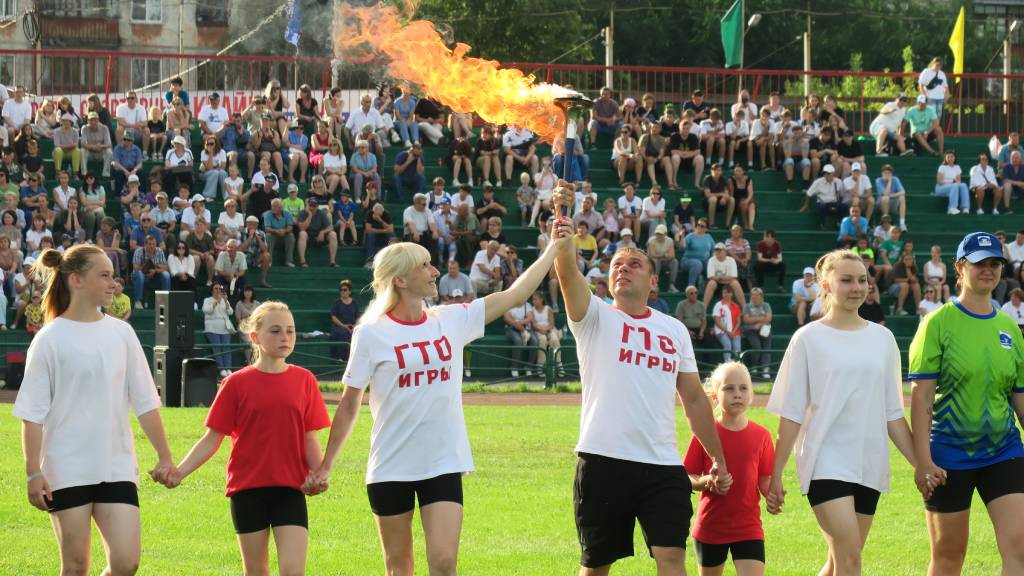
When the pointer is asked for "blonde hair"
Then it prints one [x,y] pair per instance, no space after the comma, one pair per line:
[55,268]
[155,113]
[392,262]
[716,379]
[255,321]
[827,265]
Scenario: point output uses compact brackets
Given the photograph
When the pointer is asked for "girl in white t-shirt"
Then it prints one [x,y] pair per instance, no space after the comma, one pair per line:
[74,406]
[948,185]
[412,359]
[233,184]
[842,408]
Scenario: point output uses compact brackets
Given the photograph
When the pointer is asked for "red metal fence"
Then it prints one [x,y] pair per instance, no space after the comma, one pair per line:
[980,105]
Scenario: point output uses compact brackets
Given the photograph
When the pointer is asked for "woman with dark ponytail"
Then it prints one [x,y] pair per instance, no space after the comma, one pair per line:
[74,405]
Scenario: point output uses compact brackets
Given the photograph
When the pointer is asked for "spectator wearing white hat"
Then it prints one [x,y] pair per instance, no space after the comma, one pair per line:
[885,128]
[983,179]
[212,117]
[924,126]
[65,144]
[803,295]
[126,160]
[95,141]
[662,250]
[857,191]
[254,245]
[828,190]
[196,211]
[722,271]
[178,164]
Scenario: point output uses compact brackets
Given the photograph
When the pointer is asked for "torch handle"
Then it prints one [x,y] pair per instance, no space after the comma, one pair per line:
[567,159]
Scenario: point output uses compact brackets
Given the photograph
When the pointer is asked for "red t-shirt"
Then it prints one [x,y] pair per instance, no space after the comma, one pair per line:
[764,250]
[736,516]
[267,416]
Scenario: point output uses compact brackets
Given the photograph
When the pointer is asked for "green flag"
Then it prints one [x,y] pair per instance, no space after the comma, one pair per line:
[732,35]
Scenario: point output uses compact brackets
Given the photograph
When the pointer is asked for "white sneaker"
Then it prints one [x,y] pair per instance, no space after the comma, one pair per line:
[881,155]
[766,375]
[515,373]
[952,211]
[223,373]
[456,183]
[995,211]
[903,227]
[488,183]
[468,373]
[672,290]
[980,212]
[498,184]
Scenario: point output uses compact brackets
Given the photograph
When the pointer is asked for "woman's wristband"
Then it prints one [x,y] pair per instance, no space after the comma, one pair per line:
[35,475]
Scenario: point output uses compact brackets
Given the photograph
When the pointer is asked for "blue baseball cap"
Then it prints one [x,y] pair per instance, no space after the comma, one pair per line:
[978,246]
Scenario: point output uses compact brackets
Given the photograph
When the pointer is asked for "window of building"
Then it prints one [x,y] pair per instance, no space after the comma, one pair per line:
[78,8]
[212,12]
[7,70]
[145,71]
[148,11]
[8,9]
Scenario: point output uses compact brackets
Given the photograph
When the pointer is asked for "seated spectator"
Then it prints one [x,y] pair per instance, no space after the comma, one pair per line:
[218,327]
[796,150]
[651,147]
[518,333]
[378,231]
[737,137]
[230,271]
[580,163]
[803,295]
[851,228]
[182,267]
[544,182]
[293,204]
[662,251]
[65,145]
[907,281]
[200,244]
[213,117]
[95,142]
[109,239]
[630,208]
[757,328]
[886,127]
[409,172]
[1006,151]
[828,190]
[694,316]
[652,213]
[419,226]
[1015,253]
[254,245]
[610,218]
[344,315]
[178,120]
[277,223]
[149,269]
[594,220]
[931,302]
[37,232]
[132,119]
[120,305]
[849,151]
[544,330]
[489,206]
[889,254]
[298,152]
[656,302]
[1013,180]
[437,195]
[465,232]
[146,228]
[261,195]
[1014,307]
[178,165]
[743,102]
[306,107]
[268,143]
[405,121]
[157,134]
[237,143]
[889,190]
[485,272]
[197,211]
[454,280]
[444,218]
[520,149]
[345,220]
[626,155]
[949,185]
[712,135]
[213,164]
[606,117]
[430,118]
[697,247]
[511,266]
[882,232]
[738,248]
[925,127]
[717,194]
[763,137]
[488,160]
[682,149]
[871,310]
[316,227]
[493,232]
[460,157]
[586,247]
[34,314]
[727,317]
[17,112]
[982,180]
[769,260]
[722,271]
[857,191]
[364,168]
[683,218]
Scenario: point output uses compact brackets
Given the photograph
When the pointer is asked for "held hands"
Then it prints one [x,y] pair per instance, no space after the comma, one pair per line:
[167,474]
[316,482]
[719,479]
[39,492]
[776,495]
[928,477]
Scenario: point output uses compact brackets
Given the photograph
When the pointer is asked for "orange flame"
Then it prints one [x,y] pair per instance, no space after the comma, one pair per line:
[414,52]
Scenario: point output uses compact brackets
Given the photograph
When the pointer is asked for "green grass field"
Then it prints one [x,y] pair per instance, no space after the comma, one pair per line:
[518,511]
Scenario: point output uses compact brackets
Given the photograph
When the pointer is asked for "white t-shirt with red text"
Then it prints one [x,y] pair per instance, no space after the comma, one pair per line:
[628,367]
[415,376]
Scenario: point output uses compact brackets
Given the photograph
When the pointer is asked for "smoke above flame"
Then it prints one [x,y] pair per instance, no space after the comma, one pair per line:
[415,53]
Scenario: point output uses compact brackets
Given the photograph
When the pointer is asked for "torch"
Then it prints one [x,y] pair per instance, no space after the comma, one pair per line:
[573,106]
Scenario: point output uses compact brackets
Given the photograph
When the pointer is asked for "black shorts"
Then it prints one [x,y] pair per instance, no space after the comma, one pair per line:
[865,500]
[712,555]
[257,509]
[610,495]
[393,498]
[1000,479]
[102,493]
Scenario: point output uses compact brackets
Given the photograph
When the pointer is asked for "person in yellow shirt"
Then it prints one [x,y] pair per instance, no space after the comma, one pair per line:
[121,306]
[34,313]
[586,247]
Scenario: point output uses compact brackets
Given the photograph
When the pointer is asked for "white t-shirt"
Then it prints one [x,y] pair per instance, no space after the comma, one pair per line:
[20,114]
[939,91]
[415,376]
[189,217]
[949,173]
[82,399]
[865,184]
[215,118]
[725,267]
[458,200]
[758,129]
[519,313]
[1015,312]
[234,185]
[711,128]
[233,226]
[475,273]
[625,205]
[357,119]
[1015,251]
[63,194]
[419,219]
[981,177]
[739,131]
[890,119]
[580,197]
[182,160]
[334,161]
[749,111]
[928,306]
[129,115]
[628,367]
[259,178]
[650,207]
[220,159]
[843,402]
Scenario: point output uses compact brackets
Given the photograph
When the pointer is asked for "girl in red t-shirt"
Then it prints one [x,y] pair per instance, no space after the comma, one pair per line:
[732,521]
[272,411]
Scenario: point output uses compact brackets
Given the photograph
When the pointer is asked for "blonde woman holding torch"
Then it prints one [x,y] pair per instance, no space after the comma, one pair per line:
[413,357]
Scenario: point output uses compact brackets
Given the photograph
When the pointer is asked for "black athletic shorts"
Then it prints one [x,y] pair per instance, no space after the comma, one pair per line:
[257,509]
[611,495]
[393,498]
[1000,479]
[865,500]
[712,555]
[102,493]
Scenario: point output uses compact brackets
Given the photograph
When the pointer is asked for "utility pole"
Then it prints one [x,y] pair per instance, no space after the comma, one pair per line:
[609,47]
[181,36]
[807,53]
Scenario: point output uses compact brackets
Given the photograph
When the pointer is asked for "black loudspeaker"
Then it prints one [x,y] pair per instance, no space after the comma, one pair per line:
[167,363]
[15,370]
[199,378]
[175,325]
